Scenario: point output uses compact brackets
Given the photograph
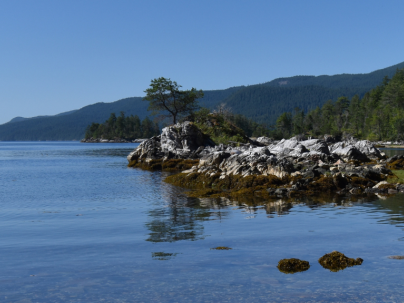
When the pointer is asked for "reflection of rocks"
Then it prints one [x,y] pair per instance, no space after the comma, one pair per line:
[291,266]
[178,221]
[336,261]
[163,256]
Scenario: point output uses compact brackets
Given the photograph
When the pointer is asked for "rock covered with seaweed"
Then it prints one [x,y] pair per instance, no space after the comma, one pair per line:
[265,167]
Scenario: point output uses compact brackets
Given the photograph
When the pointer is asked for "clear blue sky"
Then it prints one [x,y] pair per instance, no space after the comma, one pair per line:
[62,55]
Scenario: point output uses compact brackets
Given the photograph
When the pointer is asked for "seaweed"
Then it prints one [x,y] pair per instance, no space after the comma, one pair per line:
[336,261]
[291,266]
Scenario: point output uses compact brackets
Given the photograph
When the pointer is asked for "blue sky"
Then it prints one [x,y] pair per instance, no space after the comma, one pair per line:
[62,55]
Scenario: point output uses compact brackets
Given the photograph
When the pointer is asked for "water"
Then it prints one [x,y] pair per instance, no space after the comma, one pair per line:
[77,225]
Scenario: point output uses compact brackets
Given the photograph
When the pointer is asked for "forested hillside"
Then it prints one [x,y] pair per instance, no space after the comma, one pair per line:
[262,102]
[72,126]
[378,115]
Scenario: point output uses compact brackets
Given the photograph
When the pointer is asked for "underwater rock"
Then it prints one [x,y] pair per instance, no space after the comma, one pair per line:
[336,261]
[222,248]
[291,266]
[396,257]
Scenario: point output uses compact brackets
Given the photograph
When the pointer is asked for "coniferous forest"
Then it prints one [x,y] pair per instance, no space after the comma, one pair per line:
[378,115]
[129,128]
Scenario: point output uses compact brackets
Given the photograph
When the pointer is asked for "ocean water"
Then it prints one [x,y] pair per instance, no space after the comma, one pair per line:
[77,225]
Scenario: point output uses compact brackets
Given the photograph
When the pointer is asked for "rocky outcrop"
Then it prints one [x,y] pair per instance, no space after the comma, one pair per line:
[180,141]
[298,166]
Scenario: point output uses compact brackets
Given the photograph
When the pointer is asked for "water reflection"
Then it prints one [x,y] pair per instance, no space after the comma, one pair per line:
[178,217]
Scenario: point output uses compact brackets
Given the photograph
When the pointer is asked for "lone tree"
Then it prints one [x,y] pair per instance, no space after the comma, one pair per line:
[165,95]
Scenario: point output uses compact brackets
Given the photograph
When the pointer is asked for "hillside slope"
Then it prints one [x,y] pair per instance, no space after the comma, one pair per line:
[263,102]
[72,125]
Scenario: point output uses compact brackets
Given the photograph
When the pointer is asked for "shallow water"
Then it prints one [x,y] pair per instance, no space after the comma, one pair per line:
[77,225]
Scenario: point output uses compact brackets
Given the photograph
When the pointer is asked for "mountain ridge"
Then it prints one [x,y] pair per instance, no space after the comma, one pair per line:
[262,102]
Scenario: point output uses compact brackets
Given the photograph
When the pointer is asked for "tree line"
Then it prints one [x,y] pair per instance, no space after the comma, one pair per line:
[378,115]
[129,128]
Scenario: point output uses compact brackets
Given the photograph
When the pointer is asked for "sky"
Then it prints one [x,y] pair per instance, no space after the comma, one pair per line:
[62,55]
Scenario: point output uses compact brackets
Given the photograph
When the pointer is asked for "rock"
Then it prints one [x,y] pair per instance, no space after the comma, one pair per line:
[291,266]
[368,149]
[149,149]
[336,261]
[370,190]
[380,184]
[139,140]
[317,146]
[400,188]
[356,191]
[264,140]
[396,257]
[184,136]
[348,152]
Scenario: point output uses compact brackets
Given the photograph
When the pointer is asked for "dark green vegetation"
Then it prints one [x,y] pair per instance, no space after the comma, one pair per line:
[263,103]
[165,95]
[377,115]
[223,128]
[291,266]
[336,261]
[128,128]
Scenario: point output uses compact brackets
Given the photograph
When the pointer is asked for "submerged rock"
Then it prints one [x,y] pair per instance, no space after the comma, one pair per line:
[396,257]
[336,261]
[222,248]
[291,266]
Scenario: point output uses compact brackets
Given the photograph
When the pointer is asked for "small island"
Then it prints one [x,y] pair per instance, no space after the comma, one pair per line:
[266,168]
[215,158]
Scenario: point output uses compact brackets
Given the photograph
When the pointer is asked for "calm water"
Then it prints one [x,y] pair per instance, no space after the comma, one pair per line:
[77,225]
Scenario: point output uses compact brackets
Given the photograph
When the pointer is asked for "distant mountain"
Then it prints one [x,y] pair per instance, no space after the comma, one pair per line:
[72,125]
[265,102]
[19,119]
[262,102]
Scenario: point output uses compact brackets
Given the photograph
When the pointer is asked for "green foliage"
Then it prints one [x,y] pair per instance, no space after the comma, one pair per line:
[128,128]
[223,128]
[165,95]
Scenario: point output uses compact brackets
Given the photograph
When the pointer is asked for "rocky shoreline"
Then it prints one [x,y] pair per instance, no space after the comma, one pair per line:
[263,168]
[115,140]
